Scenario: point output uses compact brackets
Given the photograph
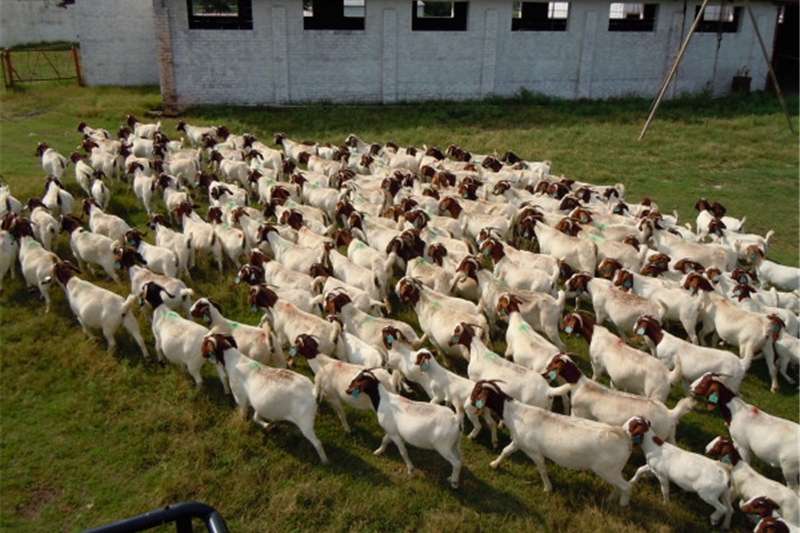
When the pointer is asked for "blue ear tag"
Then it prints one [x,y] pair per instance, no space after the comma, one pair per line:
[628,283]
[640,331]
[552,375]
[487,252]
[725,459]
[293,351]
[356,393]
[637,439]
[117,265]
[254,308]
[480,404]
[568,330]
[713,398]
[425,365]
[454,338]
[390,339]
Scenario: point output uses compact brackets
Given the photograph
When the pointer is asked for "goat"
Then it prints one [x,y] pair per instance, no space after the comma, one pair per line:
[96,307]
[568,441]
[274,393]
[424,425]
[690,471]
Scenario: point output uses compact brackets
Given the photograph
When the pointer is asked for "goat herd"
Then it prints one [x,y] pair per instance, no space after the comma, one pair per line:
[323,248]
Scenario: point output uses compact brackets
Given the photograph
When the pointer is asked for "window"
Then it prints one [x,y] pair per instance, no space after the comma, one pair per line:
[438,16]
[719,18]
[220,14]
[632,16]
[540,16]
[333,14]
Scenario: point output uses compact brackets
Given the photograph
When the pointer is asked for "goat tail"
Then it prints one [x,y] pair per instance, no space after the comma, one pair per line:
[561,300]
[130,301]
[676,373]
[318,284]
[681,408]
[421,342]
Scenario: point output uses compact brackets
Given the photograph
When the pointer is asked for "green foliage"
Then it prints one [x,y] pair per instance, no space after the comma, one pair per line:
[88,438]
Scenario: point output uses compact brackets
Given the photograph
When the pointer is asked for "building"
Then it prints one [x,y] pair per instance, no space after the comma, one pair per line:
[296,51]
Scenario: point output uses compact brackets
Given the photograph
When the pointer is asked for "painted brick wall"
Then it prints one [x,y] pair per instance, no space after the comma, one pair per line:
[34,21]
[279,62]
[117,41]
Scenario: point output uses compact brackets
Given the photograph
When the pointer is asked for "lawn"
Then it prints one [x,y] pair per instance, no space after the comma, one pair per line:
[86,438]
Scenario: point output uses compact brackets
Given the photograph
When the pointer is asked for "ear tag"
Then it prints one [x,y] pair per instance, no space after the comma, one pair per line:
[237,279]
[356,393]
[425,366]
[390,339]
[726,459]
[628,283]
[253,308]
[207,319]
[454,338]
[552,375]
[117,265]
[568,330]
[480,404]
[640,331]
[637,439]
[713,398]
[487,252]
[293,351]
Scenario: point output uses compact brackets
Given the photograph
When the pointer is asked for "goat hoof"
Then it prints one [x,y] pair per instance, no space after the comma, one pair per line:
[494,464]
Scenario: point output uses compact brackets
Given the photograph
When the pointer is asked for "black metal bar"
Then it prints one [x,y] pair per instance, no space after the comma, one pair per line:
[180,513]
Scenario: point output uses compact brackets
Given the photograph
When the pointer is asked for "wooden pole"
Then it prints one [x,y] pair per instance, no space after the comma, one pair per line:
[77,61]
[8,66]
[769,67]
[671,74]
[6,81]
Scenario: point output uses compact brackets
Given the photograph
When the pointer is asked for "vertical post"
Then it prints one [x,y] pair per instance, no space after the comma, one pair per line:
[8,74]
[76,58]
[6,77]
[769,66]
[671,74]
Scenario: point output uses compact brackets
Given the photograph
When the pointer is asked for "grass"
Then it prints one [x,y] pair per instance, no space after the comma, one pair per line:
[86,438]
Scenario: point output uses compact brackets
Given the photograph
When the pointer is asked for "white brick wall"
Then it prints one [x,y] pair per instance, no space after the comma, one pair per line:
[117,41]
[279,62]
[34,21]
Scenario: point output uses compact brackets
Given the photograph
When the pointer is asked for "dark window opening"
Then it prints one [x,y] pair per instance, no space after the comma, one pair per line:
[333,14]
[438,16]
[719,18]
[632,16]
[540,16]
[220,14]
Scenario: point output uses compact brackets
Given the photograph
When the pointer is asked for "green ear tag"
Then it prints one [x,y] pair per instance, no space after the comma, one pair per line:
[480,404]
[713,398]
[725,459]
[640,331]
[293,351]
[568,330]
[552,375]
[356,393]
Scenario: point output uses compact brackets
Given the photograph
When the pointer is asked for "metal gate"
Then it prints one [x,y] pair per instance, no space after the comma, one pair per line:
[32,65]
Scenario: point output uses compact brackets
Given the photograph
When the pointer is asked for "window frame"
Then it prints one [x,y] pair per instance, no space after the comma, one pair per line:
[458,22]
[713,26]
[314,23]
[547,24]
[646,24]
[243,20]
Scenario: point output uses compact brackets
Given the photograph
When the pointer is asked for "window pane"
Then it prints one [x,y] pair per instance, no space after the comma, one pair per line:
[627,10]
[222,8]
[557,10]
[308,8]
[354,8]
[428,9]
[725,14]
[517,9]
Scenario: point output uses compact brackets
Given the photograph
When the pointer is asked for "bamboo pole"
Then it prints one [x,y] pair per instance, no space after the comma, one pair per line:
[671,74]
[769,67]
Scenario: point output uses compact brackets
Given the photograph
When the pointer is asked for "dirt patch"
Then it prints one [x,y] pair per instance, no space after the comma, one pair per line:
[37,500]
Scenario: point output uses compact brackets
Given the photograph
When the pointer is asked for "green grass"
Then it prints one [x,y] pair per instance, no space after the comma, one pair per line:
[86,438]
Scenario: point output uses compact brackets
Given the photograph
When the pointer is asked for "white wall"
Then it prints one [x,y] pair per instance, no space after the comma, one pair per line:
[117,41]
[279,62]
[33,21]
